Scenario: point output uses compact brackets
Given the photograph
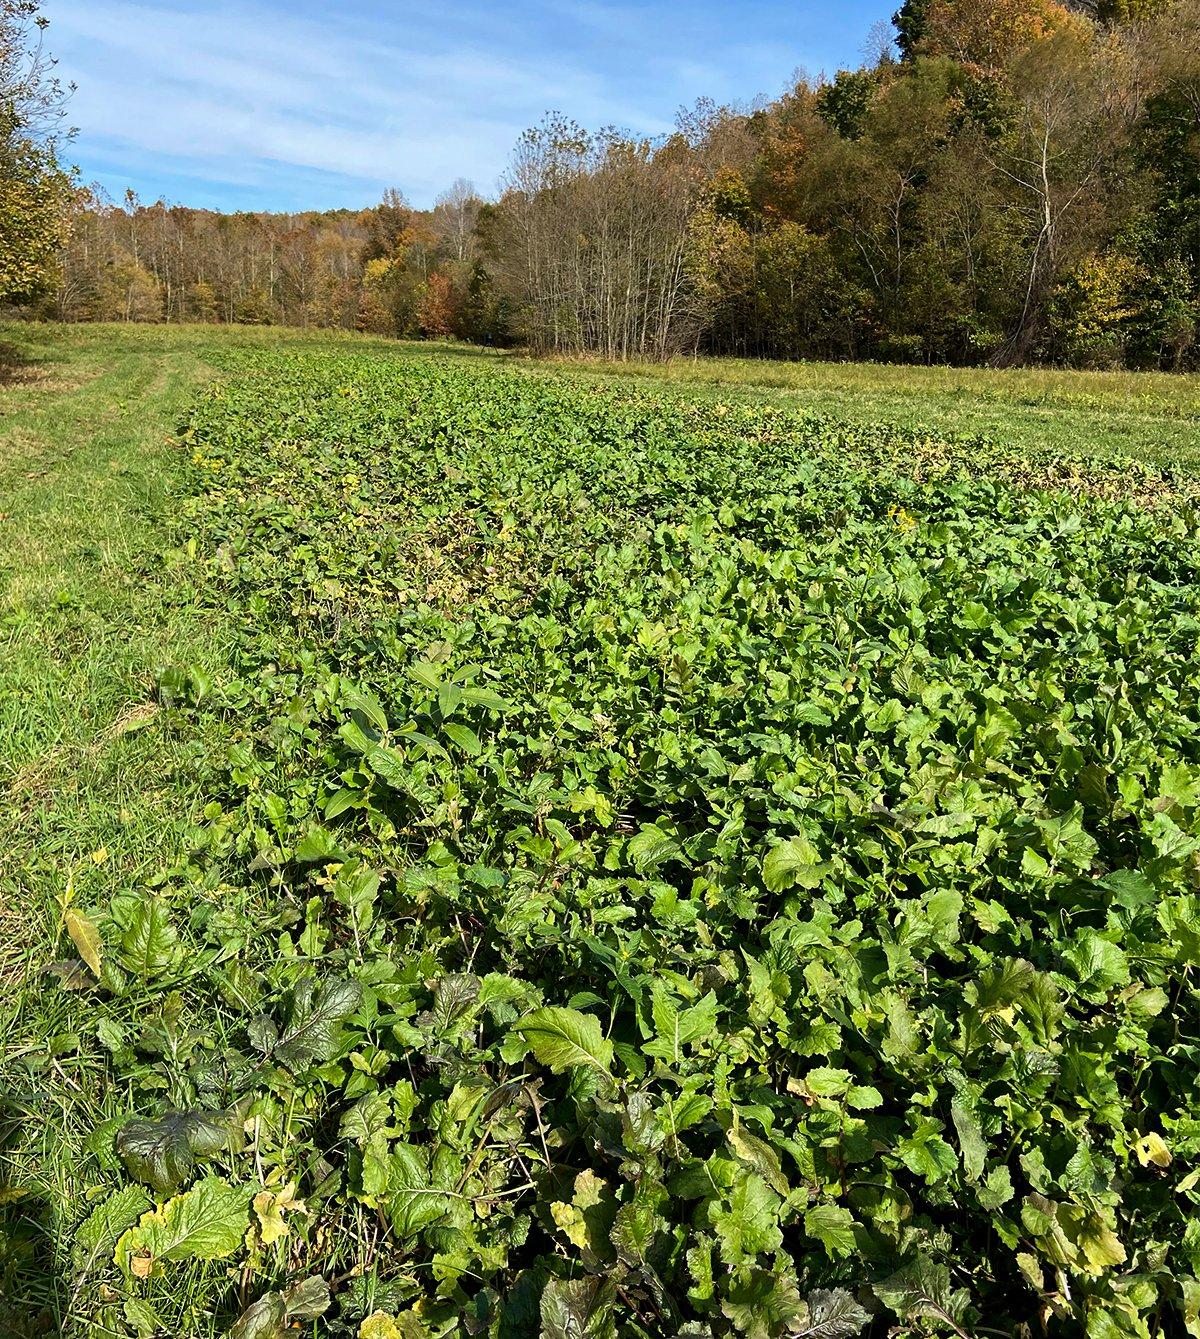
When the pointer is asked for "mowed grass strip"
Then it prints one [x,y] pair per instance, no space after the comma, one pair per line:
[94,788]
[90,476]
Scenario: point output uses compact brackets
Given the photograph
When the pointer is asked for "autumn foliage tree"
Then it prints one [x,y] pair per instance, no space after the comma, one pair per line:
[436,309]
[1012,181]
[34,192]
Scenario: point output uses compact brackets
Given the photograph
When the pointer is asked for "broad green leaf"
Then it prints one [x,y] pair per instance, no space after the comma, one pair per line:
[760,1157]
[677,1026]
[747,1224]
[920,1289]
[412,1202]
[484,697]
[826,1081]
[763,1303]
[795,863]
[638,1222]
[314,1027]
[316,846]
[971,1142]
[564,1039]
[578,1309]
[926,1153]
[464,737]
[832,1226]
[1100,965]
[833,1315]
[163,1153]
[367,705]
[150,944]
[204,1223]
[997,1189]
[650,848]
[97,1235]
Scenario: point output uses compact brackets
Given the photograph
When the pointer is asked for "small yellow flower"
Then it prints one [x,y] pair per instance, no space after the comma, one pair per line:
[901,517]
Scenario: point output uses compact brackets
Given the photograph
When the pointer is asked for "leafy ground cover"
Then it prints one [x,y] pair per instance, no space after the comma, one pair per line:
[660,866]
[1150,416]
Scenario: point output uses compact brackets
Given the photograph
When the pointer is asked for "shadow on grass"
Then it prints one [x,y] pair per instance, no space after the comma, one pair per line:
[30,1286]
[15,368]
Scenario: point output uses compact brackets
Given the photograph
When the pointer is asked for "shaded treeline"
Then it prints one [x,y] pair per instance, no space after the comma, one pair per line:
[1010,181]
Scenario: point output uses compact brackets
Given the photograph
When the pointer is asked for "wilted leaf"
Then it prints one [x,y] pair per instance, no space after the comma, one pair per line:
[163,1153]
[307,1299]
[269,1317]
[1152,1150]
[85,936]
[264,1319]
[269,1208]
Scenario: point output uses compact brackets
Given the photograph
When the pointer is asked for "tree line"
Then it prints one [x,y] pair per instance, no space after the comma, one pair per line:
[389,269]
[1004,181]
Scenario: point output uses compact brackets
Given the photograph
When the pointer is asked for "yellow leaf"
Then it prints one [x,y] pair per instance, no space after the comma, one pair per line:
[570,1223]
[270,1207]
[141,1266]
[1152,1148]
[100,856]
[379,1326]
[589,1189]
[1101,1247]
[1028,1265]
[1092,1236]
[85,937]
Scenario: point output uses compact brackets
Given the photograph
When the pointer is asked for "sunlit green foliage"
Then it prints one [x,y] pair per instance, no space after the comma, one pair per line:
[679,868]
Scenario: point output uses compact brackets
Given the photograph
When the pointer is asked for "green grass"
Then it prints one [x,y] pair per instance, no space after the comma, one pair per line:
[96,786]
[93,784]
[1153,416]
[100,787]
[89,475]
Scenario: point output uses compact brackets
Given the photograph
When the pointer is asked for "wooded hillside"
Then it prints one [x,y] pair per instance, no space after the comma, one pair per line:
[1009,181]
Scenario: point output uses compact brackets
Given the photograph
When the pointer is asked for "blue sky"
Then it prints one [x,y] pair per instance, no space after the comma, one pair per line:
[290,104]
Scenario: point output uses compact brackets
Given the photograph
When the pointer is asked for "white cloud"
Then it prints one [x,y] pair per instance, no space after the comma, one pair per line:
[414,96]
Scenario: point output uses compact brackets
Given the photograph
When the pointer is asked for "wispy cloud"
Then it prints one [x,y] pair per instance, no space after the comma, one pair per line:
[262,102]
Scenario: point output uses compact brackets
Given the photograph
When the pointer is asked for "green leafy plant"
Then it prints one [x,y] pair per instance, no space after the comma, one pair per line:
[678,869]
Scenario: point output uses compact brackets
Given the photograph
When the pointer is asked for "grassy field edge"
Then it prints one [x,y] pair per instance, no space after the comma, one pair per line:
[98,787]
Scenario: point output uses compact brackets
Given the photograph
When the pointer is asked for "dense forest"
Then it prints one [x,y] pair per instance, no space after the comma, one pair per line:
[1004,181]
